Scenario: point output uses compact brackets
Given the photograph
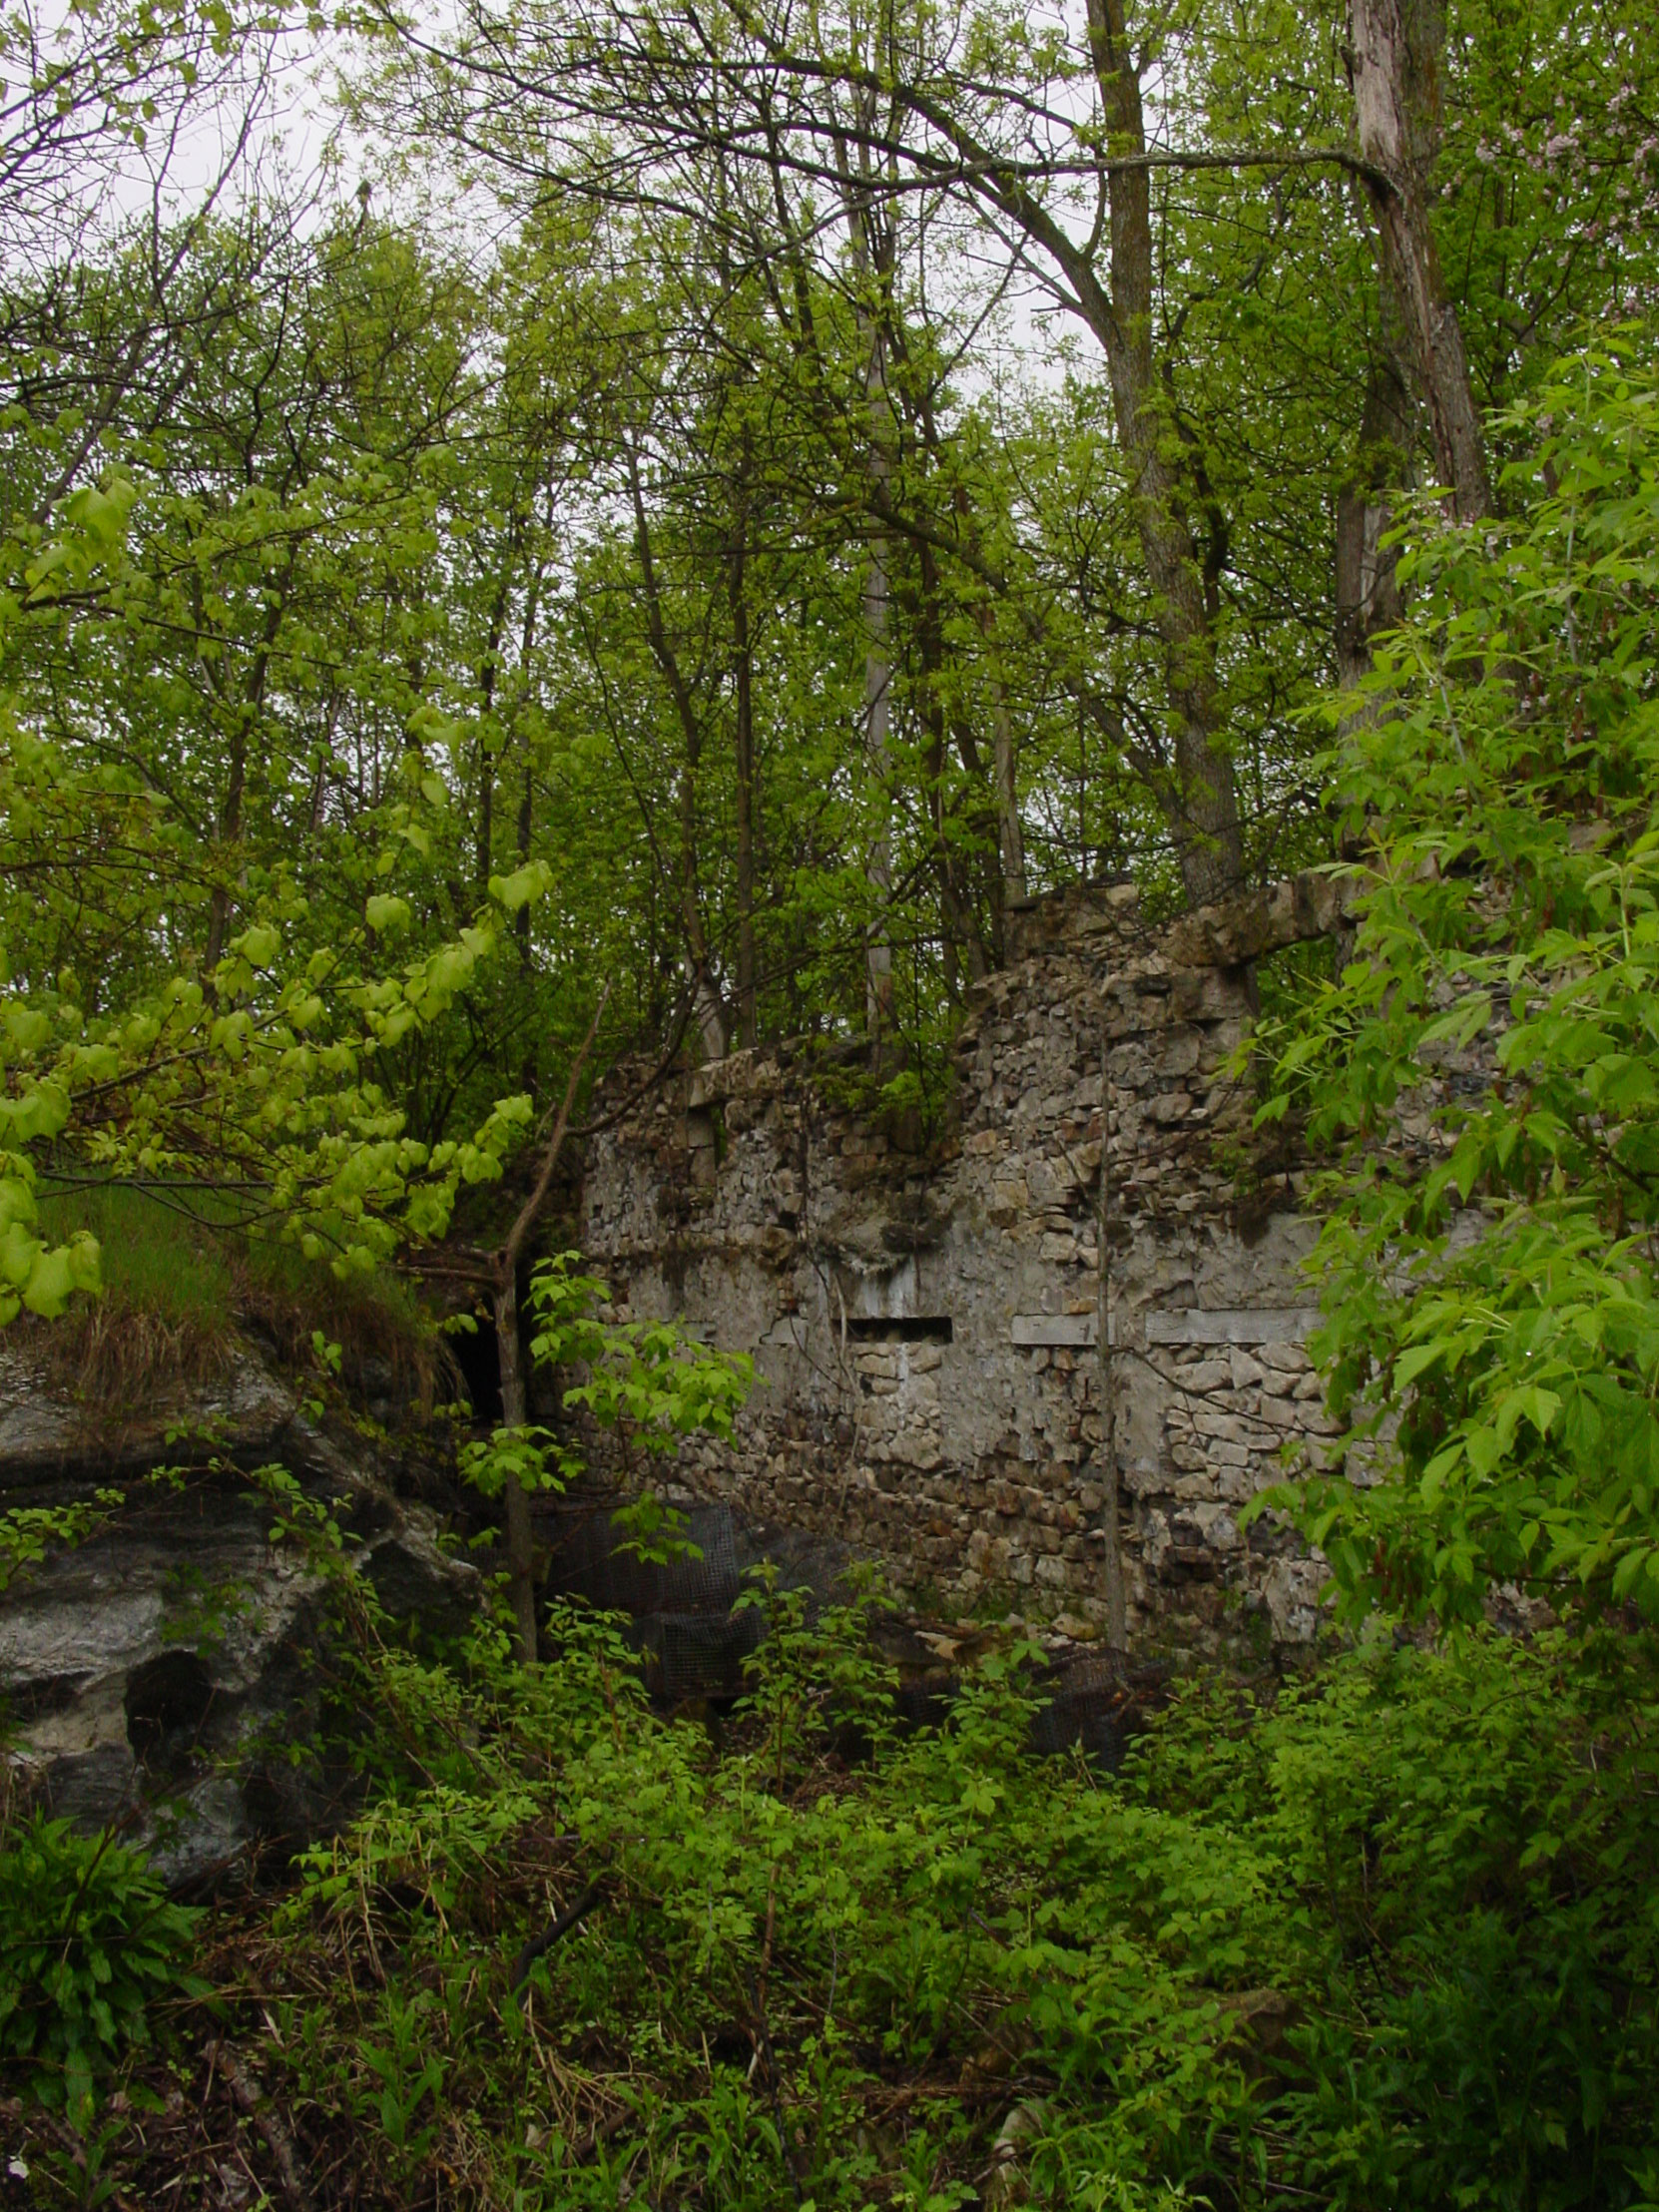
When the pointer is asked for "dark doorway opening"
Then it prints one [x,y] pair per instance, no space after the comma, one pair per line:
[478,1355]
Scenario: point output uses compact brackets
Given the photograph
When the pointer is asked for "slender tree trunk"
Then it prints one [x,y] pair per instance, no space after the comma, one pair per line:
[515,1414]
[486,815]
[527,792]
[1116,1625]
[872,268]
[526,823]
[1368,590]
[1010,831]
[878,709]
[1395,55]
[230,835]
[1203,798]
[521,1562]
[711,1017]
[244,719]
[958,927]
[488,678]
[744,682]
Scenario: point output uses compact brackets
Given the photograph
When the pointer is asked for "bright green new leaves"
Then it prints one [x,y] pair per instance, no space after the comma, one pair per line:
[645,1384]
[1262,1950]
[265,1073]
[1492,1309]
[27,1532]
[33,1274]
[530,1456]
[533,880]
[648,1382]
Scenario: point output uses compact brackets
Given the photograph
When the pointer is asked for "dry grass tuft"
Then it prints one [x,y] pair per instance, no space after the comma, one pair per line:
[118,1357]
[184,1277]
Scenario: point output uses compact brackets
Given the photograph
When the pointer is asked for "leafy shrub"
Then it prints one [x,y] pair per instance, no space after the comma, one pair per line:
[88,1939]
[1492,1322]
[1384,1937]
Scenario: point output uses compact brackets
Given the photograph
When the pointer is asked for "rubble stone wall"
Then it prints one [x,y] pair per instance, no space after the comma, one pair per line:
[955,1343]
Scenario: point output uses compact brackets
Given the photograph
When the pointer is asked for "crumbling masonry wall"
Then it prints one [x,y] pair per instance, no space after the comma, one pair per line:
[951,1356]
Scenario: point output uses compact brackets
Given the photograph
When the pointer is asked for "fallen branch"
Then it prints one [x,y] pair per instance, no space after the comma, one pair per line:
[243,2085]
[539,1945]
[597,2137]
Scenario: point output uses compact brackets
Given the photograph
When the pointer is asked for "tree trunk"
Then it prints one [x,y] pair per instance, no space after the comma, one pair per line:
[744,681]
[1201,800]
[230,835]
[1395,63]
[1367,592]
[515,1400]
[1010,831]
[873,268]
[522,1564]
[958,926]
[711,1019]
[879,998]
[526,825]
[488,678]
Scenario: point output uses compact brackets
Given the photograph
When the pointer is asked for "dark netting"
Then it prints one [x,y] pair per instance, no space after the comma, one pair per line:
[693,1642]
[693,1637]
[925,1703]
[591,1559]
[709,1583]
[703,1655]
[1089,1707]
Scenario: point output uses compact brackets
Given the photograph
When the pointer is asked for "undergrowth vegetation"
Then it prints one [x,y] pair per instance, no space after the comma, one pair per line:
[1386,1938]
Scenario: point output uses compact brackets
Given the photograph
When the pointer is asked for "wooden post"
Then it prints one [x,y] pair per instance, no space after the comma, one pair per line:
[1117,1634]
[515,1411]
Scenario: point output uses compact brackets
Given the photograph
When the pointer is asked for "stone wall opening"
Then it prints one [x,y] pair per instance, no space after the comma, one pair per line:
[478,1353]
[901,1329]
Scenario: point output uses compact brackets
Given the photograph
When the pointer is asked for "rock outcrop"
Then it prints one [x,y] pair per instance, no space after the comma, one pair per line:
[164,1673]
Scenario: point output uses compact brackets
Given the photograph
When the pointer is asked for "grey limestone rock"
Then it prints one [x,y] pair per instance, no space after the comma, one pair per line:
[162,1673]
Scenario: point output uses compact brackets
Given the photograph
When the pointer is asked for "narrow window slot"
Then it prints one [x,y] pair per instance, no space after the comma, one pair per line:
[903,1329]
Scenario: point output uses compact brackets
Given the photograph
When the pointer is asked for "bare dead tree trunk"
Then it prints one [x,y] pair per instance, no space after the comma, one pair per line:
[1394,65]
[515,1404]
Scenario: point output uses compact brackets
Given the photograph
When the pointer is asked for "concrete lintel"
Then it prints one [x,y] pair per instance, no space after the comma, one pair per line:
[1250,1325]
[1080,1329]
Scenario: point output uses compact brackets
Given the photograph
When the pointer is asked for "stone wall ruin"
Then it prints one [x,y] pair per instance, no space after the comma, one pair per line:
[958,1372]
